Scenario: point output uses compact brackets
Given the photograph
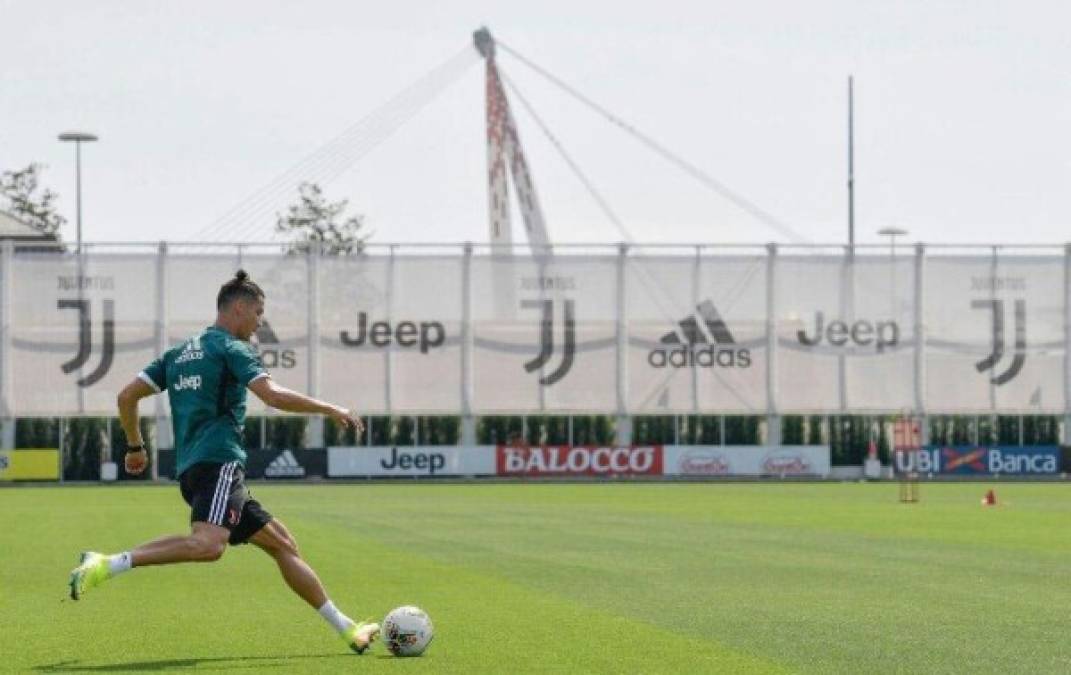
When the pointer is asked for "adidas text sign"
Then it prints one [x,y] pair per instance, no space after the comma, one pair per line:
[696,350]
[269,351]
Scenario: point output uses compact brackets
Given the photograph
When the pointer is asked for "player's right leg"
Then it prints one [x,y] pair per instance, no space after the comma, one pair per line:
[91,572]
[214,493]
[205,543]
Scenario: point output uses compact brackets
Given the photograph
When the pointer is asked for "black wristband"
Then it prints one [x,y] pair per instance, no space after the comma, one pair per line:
[135,448]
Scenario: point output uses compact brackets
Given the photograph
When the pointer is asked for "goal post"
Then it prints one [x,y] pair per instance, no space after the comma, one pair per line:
[907,444]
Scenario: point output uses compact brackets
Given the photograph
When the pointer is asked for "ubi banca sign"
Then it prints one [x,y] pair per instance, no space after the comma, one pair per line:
[966,460]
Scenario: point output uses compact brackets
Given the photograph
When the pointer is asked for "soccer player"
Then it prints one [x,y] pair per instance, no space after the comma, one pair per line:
[206,377]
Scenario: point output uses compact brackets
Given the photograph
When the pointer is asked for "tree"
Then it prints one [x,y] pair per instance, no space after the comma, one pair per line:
[21,198]
[316,221]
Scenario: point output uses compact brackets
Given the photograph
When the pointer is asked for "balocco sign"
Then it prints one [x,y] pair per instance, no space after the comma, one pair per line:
[564,460]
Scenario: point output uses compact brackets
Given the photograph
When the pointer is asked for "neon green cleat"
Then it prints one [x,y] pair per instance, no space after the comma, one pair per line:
[92,572]
[361,635]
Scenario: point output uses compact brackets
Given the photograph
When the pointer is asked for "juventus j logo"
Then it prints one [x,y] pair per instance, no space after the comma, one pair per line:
[85,340]
[990,362]
[546,341]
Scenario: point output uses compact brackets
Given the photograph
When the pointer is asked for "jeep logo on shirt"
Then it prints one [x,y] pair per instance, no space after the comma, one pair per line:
[187,382]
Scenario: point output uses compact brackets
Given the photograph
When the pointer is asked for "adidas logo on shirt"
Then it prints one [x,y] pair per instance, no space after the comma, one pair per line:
[713,347]
[285,466]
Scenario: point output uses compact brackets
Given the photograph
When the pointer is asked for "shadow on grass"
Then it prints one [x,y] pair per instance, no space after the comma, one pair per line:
[217,663]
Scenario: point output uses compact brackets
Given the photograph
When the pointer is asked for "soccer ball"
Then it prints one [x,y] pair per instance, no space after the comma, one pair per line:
[407,631]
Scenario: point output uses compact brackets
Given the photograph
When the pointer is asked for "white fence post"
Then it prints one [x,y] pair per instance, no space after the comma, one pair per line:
[468,421]
[7,405]
[314,432]
[773,417]
[623,424]
[80,284]
[161,421]
[847,312]
[388,354]
[994,274]
[696,286]
[920,342]
[1067,345]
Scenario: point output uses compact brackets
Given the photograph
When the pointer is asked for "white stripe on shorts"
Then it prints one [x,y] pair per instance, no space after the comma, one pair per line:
[219,500]
[221,508]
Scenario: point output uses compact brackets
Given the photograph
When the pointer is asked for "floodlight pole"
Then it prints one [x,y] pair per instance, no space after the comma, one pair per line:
[851,171]
[78,137]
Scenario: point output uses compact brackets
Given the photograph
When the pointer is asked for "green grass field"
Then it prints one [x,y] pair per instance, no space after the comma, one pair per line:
[620,578]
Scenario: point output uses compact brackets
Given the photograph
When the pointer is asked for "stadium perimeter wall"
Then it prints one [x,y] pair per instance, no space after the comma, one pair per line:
[622,331]
[651,461]
[593,463]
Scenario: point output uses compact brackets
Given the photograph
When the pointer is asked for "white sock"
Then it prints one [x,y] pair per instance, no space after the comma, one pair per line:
[337,619]
[119,563]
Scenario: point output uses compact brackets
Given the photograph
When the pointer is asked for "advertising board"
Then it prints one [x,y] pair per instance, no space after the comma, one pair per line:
[747,460]
[406,460]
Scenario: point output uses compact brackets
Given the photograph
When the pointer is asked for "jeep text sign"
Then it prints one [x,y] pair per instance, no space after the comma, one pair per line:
[564,460]
[410,460]
[425,335]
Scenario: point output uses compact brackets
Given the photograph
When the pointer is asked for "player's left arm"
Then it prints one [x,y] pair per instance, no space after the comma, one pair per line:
[247,369]
[136,457]
[281,398]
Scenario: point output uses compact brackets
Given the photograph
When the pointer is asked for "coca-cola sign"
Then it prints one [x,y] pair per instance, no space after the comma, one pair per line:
[704,462]
[746,460]
[786,463]
[565,460]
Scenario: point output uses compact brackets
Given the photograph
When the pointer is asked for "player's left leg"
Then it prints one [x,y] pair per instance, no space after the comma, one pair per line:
[275,540]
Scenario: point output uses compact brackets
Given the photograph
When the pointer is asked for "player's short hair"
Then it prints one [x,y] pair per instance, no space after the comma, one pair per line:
[240,287]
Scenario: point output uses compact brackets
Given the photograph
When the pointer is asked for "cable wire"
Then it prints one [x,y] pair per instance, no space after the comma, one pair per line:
[692,170]
[370,133]
[338,154]
[595,194]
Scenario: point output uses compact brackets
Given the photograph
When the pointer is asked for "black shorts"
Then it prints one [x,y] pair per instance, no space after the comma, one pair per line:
[217,494]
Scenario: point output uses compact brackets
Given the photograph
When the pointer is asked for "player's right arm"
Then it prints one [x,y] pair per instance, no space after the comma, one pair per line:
[150,381]
[136,458]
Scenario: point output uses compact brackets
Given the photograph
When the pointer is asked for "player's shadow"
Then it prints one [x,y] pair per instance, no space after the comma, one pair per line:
[217,663]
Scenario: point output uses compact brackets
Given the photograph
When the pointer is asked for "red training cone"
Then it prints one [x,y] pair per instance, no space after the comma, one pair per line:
[990,498]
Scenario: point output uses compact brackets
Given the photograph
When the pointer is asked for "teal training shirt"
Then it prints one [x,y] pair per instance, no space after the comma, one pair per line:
[206,378]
